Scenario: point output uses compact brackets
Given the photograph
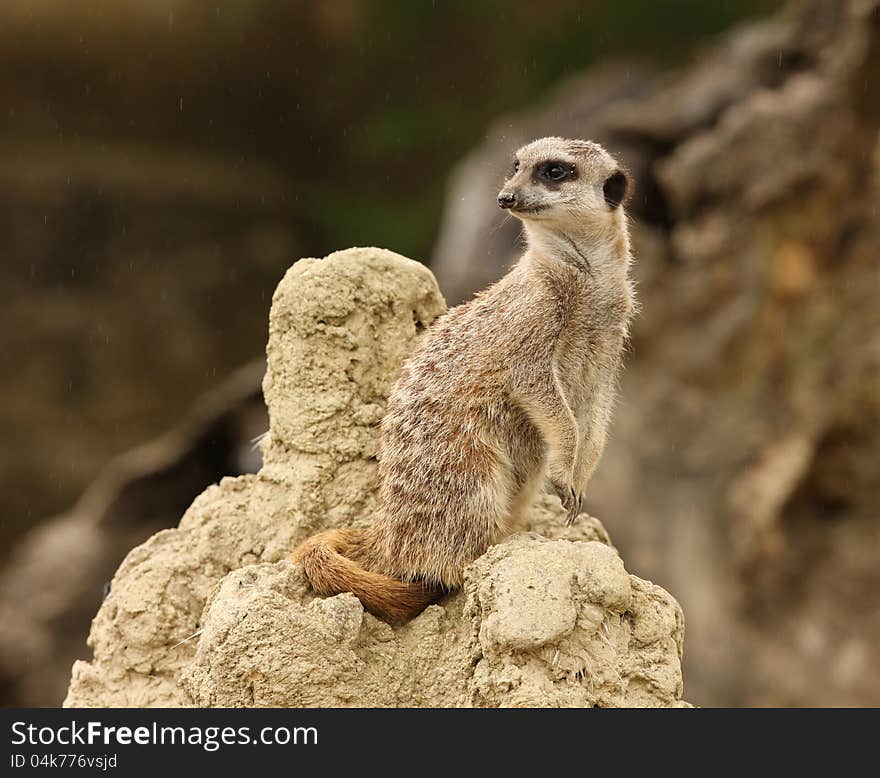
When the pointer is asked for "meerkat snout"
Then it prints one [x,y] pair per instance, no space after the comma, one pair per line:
[506,200]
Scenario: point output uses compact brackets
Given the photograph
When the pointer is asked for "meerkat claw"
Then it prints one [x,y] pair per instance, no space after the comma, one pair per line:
[574,511]
[570,501]
[564,493]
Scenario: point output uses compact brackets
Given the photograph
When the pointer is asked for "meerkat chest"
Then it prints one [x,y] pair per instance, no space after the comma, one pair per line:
[599,319]
[591,347]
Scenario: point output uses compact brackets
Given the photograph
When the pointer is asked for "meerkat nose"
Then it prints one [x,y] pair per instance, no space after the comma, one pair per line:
[506,199]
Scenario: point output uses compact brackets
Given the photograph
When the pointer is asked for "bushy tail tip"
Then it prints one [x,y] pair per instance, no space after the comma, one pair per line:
[331,572]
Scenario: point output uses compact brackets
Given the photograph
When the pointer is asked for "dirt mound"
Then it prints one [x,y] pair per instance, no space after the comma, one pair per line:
[212,613]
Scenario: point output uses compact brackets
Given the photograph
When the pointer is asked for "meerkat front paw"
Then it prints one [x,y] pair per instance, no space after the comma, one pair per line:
[571,501]
[575,510]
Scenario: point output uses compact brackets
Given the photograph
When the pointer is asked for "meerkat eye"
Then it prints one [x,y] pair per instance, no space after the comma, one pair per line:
[556,171]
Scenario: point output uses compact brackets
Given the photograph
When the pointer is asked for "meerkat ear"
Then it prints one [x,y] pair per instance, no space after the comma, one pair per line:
[615,188]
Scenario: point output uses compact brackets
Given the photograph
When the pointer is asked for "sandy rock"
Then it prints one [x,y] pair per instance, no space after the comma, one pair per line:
[561,623]
[159,591]
[545,623]
[212,613]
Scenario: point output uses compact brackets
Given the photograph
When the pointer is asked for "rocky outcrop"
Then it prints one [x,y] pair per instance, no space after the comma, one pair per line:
[212,612]
[741,471]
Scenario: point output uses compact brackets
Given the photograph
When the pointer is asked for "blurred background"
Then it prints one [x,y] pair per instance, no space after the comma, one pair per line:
[162,162]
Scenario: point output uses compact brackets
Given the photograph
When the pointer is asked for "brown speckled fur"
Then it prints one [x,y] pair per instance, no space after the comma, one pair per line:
[514,386]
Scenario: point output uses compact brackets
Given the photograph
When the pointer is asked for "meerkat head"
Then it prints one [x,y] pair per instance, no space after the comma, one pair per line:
[563,183]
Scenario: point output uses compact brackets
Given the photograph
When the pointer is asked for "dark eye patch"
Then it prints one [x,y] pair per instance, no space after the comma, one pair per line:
[555,172]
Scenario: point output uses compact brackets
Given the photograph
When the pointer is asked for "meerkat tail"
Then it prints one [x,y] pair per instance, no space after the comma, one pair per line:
[331,572]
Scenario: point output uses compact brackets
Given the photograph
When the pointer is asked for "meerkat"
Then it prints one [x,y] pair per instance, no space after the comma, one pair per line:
[501,393]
